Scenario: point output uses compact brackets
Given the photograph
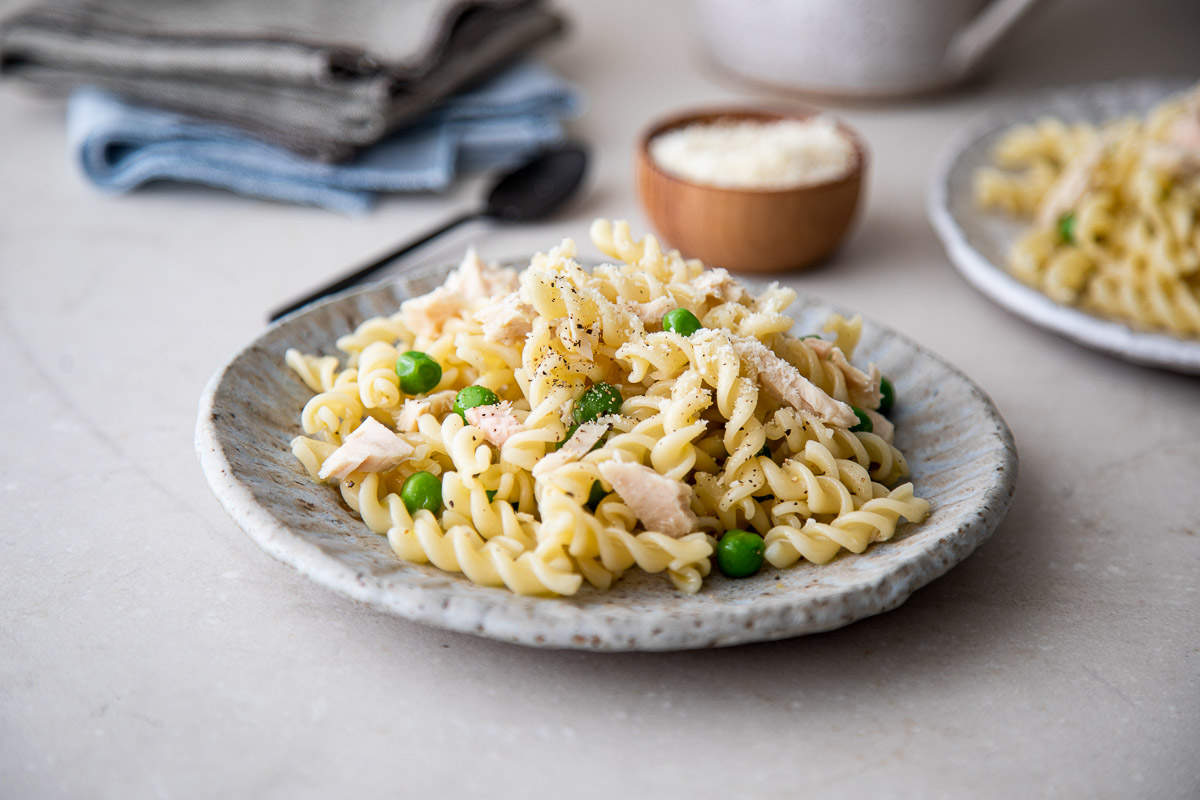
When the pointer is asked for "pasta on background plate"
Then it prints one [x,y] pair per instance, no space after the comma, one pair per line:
[542,428]
[1114,212]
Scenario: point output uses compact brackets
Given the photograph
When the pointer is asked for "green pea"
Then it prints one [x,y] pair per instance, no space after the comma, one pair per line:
[1066,227]
[602,398]
[887,396]
[740,553]
[422,490]
[473,396]
[418,372]
[595,495]
[811,336]
[864,422]
[681,321]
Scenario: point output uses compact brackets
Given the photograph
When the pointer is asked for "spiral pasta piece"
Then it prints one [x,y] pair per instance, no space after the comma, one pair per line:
[819,542]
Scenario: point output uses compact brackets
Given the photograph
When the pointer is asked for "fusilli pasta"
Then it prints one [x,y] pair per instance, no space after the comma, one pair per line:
[733,425]
[1114,213]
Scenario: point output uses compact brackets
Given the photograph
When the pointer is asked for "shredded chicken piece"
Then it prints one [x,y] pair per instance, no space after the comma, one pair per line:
[472,282]
[881,425]
[438,404]
[475,280]
[863,387]
[1185,133]
[498,422]
[1175,161]
[720,285]
[579,445]
[372,447]
[1179,154]
[662,504]
[1071,184]
[427,314]
[650,313]
[787,385]
[507,321]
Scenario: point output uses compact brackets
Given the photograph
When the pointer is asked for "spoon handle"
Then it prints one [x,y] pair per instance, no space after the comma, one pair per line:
[365,271]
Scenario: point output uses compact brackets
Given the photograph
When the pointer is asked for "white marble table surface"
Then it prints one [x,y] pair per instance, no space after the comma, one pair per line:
[149,649]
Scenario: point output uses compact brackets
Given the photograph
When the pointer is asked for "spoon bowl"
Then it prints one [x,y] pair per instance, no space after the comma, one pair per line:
[537,188]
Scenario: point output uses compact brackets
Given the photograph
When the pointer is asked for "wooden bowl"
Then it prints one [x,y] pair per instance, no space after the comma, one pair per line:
[748,230]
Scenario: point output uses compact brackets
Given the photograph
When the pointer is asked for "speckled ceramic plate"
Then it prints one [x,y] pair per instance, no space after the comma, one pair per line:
[978,242]
[960,450]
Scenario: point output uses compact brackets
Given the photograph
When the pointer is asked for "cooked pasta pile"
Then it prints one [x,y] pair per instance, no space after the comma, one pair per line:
[722,424]
[1114,213]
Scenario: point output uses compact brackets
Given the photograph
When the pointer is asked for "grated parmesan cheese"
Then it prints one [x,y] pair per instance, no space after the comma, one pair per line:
[755,155]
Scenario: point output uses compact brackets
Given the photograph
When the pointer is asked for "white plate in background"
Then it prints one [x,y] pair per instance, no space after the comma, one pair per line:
[978,241]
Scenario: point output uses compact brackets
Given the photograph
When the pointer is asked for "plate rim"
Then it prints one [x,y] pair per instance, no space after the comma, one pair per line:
[414,602]
[994,281]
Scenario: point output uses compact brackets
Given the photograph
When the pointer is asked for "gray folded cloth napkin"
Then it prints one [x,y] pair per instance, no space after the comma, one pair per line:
[321,78]
[496,124]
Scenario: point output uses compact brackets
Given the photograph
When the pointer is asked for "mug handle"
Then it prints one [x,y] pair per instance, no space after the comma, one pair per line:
[976,40]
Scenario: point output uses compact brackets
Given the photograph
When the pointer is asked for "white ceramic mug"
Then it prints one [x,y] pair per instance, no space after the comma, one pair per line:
[863,48]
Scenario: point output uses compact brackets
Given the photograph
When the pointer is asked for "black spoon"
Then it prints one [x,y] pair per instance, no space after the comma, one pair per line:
[530,192]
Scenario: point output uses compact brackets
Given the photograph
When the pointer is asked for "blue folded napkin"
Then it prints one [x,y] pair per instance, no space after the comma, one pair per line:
[121,146]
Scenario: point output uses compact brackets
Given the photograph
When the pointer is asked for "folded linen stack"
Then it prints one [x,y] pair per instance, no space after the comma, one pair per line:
[263,97]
